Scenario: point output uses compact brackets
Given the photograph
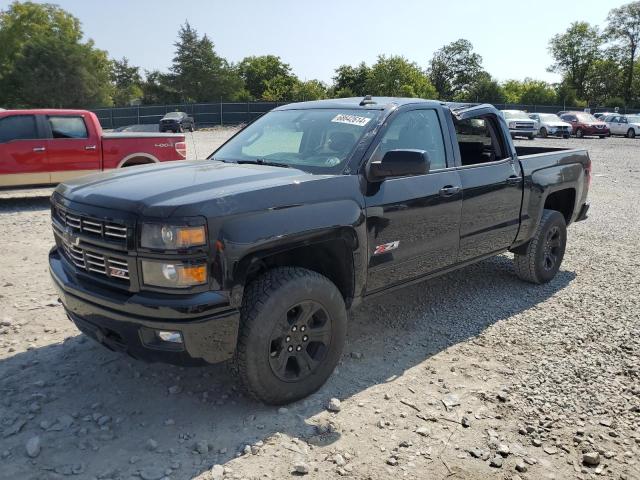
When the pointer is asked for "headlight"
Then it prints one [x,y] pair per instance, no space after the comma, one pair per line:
[172,237]
[512,124]
[173,274]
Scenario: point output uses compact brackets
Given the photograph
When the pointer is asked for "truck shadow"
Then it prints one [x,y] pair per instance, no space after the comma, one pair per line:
[10,204]
[177,407]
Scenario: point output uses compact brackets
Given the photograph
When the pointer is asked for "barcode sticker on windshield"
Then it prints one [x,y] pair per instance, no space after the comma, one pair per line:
[351,119]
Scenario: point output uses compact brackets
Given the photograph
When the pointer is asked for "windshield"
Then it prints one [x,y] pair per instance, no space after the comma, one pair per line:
[514,114]
[549,117]
[314,140]
[173,115]
[586,117]
[633,118]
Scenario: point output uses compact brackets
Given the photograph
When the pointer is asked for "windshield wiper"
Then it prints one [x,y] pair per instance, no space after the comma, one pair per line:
[262,161]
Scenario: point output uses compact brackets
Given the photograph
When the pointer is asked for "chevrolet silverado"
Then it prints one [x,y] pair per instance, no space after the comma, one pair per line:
[257,254]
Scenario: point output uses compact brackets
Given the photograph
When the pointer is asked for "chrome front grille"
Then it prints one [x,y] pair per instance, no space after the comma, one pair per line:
[92,226]
[524,125]
[92,261]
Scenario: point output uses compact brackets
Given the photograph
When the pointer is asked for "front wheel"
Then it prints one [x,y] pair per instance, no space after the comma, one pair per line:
[540,260]
[631,133]
[292,331]
[579,133]
[543,132]
[531,137]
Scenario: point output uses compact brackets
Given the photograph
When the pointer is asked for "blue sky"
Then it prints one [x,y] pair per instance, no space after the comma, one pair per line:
[314,37]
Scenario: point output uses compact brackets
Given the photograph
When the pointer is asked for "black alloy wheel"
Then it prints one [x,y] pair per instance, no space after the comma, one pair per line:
[300,341]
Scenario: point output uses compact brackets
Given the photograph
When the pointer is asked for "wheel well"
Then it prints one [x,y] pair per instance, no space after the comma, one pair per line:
[132,162]
[331,258]
[562,201]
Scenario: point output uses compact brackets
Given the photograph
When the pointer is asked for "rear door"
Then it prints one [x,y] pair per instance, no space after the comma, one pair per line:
[492,185]
[73,149]
[413,222]
[614,125]
[23,153]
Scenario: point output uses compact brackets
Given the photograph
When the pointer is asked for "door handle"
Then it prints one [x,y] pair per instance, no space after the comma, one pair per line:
[514,179]
[449,190]
[90,147]
[39,149]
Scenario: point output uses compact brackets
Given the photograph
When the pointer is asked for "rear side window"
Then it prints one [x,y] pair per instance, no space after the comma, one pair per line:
[415,129]
[478,140]
[18,127]
[68,127]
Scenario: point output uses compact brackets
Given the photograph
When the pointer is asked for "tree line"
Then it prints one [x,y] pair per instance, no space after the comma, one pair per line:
[44,62]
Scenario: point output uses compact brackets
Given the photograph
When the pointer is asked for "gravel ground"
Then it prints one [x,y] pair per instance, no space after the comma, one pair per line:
[473,375]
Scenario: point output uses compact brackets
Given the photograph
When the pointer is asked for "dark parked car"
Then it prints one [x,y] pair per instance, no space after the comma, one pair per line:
[584,124]
[257,254]
[177,122]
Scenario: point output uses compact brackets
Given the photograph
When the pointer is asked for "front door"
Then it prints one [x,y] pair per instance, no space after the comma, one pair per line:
[492,184]
[23,155]
[71,150]
[413,222]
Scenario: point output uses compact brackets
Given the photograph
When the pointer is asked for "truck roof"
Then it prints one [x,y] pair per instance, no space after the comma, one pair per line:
[44,111]
[372,103]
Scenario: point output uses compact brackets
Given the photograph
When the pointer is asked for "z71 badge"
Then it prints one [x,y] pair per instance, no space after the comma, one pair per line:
[386,247]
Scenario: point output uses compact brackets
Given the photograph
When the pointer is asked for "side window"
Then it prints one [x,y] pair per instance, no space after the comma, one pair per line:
[68,127]
[416,129]
[623,120]
[18,127]
[614,119]
[478,140]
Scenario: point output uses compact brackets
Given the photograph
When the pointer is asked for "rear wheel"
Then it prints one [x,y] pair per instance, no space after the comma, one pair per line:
[540,260]
[631,133]
[293,328]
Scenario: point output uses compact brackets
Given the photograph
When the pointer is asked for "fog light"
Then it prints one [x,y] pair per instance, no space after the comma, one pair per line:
[168,336]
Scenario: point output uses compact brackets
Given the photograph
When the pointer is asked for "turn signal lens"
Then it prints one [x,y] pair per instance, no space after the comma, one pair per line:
[172,237]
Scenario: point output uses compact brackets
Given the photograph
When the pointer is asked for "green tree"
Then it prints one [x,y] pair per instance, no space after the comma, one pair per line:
[126,82]
[605,81]
[395,76]
[454,68]
[529,92]
[257,71]
[310,90]
[158,88]
[199,73]
[623,24]
[280,89]
[484,89]
[574,53]
[45,63]
[351,81]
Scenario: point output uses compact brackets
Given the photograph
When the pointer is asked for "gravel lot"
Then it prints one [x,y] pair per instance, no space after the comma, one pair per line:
[473,375]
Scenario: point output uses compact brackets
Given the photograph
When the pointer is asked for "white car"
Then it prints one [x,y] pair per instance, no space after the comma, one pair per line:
[627,125]
[550,124]
[520,125]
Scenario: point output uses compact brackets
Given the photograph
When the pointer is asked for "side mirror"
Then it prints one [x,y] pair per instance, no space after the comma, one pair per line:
[400,163]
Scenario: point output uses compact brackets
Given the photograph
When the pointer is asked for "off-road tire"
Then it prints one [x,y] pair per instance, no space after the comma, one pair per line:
[266,305]
[532,264]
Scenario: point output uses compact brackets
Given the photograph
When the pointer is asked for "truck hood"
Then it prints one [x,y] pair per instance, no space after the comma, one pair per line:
[183,188]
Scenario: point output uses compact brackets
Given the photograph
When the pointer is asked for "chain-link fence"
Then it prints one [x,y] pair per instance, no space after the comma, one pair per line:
[233,113]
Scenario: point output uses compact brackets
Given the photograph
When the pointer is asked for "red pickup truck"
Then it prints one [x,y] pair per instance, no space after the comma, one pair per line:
[45,147]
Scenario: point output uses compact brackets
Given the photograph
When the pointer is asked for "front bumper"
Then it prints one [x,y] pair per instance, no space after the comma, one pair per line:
[596,132]
[128,323]
[522,132]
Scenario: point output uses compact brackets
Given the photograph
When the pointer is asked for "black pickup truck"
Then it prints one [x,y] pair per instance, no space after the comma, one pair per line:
[257,254]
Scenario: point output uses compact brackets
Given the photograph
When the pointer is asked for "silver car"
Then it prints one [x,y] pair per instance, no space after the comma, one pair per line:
[627,125]
[550,124]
